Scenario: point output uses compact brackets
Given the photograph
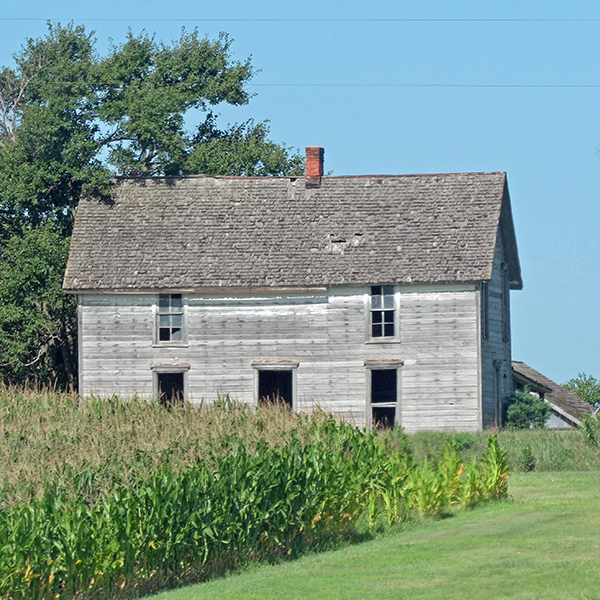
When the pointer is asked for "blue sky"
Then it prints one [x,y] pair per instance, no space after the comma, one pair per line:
[380,86]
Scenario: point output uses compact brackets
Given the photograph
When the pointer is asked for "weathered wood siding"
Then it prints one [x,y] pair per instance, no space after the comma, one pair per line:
[440,345]
[495,350]
[325,331]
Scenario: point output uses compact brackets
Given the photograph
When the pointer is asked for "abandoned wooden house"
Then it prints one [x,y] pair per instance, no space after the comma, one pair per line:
[378,298]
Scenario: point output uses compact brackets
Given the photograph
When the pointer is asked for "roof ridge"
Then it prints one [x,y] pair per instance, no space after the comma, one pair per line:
[294,177]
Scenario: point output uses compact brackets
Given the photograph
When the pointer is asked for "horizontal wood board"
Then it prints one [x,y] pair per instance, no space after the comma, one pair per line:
[324,331]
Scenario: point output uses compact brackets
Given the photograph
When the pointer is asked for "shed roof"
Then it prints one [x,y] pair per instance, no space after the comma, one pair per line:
[558,396]
[194,233]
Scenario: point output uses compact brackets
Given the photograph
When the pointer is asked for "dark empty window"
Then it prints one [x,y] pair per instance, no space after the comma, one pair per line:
[275,386]
[170,318]
[170,388]
[505,303]
[485,309]
[383,311]
[384,386]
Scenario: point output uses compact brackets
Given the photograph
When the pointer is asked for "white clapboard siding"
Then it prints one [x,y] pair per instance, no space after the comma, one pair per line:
[325,331]
[439,335]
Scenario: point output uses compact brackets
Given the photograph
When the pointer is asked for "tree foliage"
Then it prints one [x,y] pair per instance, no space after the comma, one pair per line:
[586,387]
[37,321]
[525,411]
[71,120]
[240,150]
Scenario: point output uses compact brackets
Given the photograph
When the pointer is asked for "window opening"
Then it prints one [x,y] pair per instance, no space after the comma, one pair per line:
[497,395]
[382,311]
[170,389]
[170,318]
[384,390]
[485,310]
[505,304]
[275,386]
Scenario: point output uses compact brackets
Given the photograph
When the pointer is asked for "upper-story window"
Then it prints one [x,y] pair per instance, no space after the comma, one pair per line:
[505,303]
[170,318]
[485,309]
[382,323]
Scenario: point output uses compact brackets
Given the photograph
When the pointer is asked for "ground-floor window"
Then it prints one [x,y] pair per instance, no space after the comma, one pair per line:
[170,384]
[276,382]
[497,395]
[383,392]
[384,397]
[170,388]
[275,386]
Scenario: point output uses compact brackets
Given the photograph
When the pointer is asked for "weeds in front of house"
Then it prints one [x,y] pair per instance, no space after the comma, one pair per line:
[527,459]
[565,450]
[132,498]
[591,430]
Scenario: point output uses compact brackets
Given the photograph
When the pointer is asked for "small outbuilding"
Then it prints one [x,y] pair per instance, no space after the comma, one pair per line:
[566,408]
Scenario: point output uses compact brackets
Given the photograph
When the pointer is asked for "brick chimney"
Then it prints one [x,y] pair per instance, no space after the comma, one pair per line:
[314,166]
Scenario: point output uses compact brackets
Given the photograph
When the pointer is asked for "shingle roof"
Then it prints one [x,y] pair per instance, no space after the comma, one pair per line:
[565,400]
[245,232]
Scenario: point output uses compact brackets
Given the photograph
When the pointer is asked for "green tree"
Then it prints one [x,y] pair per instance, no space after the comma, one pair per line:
[585,386]
[240,150]
[525,411]
[37,321]
[48,135]
[69,121]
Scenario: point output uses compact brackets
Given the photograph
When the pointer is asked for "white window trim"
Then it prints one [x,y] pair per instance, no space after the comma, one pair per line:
[369,339]
[183,343]
[170,368]
[387,365]
[277,365]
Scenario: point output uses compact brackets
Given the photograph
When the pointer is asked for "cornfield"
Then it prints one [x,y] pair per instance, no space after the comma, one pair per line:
[118,514]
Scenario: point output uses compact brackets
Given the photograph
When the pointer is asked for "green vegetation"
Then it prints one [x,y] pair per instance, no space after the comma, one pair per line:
[525,411]
[591,430]
[551,450]
[69,121]
[586,387]
[112,498]
[136,497]
[542,545]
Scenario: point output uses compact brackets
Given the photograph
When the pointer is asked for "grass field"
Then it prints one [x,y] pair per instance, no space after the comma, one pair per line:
[544,543]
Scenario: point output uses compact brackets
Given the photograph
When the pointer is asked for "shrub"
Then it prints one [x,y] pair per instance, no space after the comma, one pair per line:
[526,458]
[461,441]
[526,411]
[591,430]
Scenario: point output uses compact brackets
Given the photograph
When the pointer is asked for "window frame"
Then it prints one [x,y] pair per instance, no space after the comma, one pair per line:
[182,368]
[369,310]
[505,282]
[394,364]
[183,342]
[276,365]
[484,291]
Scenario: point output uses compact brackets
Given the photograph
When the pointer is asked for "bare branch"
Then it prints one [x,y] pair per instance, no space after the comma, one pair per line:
[10,102]
[40,353]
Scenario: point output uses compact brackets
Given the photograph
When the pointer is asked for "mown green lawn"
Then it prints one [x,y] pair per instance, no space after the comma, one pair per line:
[545,543]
